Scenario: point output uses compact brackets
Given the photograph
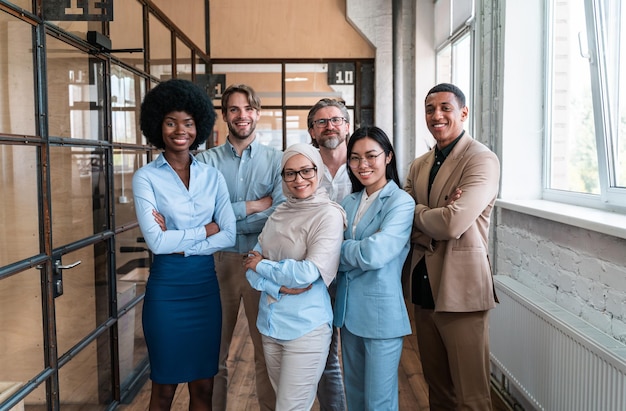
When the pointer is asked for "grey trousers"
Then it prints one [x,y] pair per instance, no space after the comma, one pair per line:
[330,391]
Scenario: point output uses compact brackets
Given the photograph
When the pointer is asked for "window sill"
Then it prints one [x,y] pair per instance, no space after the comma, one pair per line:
[605,222]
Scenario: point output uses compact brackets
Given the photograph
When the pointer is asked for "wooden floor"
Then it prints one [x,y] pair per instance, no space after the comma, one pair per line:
[241,392]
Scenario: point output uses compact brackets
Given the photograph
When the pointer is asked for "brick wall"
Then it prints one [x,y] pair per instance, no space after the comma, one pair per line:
[580,270]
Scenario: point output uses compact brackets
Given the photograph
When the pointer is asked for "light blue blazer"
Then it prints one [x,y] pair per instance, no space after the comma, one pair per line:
[369,299]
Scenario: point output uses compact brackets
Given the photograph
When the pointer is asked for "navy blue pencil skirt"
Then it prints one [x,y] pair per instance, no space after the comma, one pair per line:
[182,318]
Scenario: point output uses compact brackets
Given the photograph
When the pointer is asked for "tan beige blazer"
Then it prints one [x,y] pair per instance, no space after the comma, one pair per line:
[454,239]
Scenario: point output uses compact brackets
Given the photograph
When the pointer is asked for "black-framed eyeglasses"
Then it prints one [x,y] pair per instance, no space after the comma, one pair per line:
[305,173]
[369,159]
[323,122]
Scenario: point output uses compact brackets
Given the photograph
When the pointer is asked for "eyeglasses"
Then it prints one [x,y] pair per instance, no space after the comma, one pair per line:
[323,122]
[369,159]
[305,173]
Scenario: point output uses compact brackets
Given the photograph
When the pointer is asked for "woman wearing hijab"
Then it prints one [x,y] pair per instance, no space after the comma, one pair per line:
[369,306]
[293,263]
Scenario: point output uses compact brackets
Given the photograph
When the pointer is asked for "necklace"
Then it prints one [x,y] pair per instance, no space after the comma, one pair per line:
[180,170]
[183,173]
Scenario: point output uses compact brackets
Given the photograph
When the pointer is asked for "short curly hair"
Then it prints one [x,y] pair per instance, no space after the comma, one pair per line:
[176,95]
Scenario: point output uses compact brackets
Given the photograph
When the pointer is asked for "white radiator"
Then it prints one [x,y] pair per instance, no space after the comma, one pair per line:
[555,359]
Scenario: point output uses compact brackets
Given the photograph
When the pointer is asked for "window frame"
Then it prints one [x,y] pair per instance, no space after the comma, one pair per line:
[462,34]
[611,196]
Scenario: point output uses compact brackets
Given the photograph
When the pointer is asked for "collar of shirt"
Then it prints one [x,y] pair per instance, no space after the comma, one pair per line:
[440,156]
[161,160]
[251,147]
[445,152]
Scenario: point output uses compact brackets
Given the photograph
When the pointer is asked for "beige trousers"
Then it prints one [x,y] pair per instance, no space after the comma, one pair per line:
[235,289]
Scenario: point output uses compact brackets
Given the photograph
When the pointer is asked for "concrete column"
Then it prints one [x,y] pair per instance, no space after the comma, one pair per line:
[403,28]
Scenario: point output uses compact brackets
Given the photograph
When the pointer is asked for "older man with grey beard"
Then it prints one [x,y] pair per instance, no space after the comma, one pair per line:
[329,127]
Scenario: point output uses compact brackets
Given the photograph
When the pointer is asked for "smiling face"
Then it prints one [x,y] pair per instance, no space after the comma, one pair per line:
[240,117]
[300,187]
[179,131]
[329,136]
[368,163]
[444,117]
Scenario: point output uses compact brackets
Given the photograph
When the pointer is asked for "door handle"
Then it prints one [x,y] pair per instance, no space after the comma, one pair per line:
[57,276]
[58,266]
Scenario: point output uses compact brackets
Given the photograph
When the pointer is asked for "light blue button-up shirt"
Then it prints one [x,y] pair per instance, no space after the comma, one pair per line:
[253,175]
[287,316]
[307,255]
[156,186]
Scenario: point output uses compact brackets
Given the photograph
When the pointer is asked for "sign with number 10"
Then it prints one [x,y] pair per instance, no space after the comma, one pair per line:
[340,73]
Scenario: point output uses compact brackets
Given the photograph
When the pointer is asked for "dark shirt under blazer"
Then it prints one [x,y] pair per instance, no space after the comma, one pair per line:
[454,240]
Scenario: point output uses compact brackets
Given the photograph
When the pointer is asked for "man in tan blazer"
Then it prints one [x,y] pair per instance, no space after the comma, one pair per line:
[454,186]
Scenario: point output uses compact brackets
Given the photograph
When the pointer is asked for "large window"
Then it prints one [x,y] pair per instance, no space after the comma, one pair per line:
[587,103]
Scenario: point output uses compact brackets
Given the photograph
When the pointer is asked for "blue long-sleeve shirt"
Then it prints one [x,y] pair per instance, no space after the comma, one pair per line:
[287,316]
[311,259]
[253,175]
[156,186]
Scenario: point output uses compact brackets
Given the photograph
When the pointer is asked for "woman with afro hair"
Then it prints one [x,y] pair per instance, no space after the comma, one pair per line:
[185,215]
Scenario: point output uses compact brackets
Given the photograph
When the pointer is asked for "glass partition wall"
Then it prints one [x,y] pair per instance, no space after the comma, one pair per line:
[289,89]
[73,264]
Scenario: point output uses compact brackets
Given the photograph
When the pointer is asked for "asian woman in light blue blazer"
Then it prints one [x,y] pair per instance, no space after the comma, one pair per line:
[370,308]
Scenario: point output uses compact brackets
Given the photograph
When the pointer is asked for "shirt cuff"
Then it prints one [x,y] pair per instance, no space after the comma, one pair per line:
[271,287]
[239,208]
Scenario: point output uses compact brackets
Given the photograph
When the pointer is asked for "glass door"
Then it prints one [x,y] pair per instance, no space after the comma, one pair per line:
[58,338]
[73,266]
